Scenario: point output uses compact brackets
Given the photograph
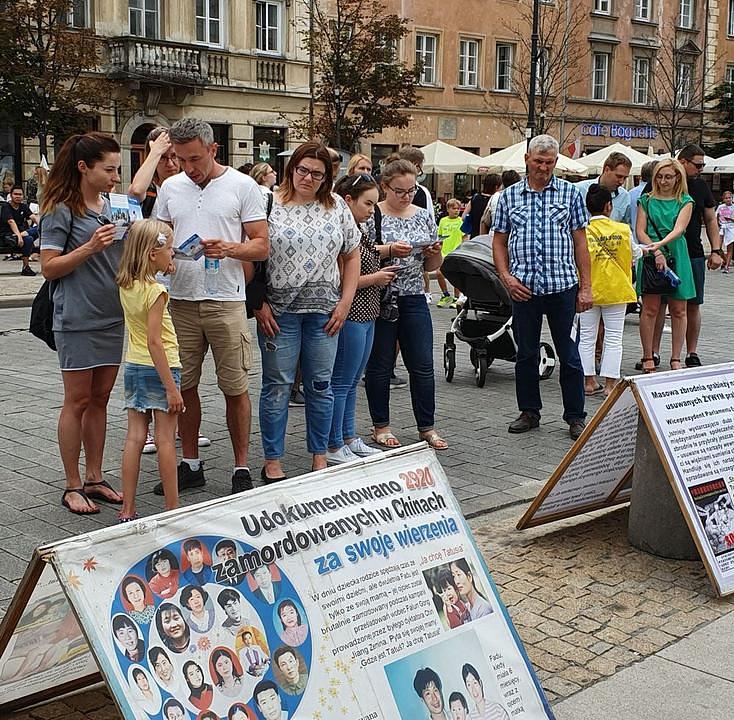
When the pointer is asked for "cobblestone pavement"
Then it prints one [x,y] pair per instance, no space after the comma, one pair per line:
[550,579]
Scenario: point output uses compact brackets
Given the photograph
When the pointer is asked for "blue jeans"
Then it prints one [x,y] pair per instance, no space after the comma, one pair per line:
[527,320]
[414,331]
[355,344]
[301,337]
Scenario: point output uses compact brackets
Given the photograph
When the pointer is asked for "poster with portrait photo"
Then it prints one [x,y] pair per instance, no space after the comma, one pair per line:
[713,501]
[452,677]
[457,592]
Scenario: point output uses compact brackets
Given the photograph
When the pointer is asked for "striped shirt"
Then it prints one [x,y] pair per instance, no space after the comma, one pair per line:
[539,224]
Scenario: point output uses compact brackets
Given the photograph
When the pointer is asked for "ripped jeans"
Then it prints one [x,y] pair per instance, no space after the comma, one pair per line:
[301,337]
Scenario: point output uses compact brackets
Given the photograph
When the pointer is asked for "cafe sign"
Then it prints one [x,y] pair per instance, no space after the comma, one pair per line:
[619,132]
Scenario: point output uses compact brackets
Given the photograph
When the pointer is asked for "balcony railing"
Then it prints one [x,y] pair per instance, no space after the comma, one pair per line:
[143,59]
[271,74]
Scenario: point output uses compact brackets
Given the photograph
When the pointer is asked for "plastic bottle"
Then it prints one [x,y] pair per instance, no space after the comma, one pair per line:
[211,276]
[671,277]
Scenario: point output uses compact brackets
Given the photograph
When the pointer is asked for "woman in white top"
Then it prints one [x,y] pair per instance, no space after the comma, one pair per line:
[307,301]
[265,177]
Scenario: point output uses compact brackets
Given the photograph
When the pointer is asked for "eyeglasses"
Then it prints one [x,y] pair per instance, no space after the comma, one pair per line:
[104,220]
[698,166]
[317,175]
[363,177]
[399,192]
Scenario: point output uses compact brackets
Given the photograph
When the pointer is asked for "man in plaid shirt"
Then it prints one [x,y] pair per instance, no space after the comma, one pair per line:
[541,256]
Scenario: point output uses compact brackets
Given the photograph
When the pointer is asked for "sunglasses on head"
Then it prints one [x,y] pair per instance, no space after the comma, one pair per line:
[365,177]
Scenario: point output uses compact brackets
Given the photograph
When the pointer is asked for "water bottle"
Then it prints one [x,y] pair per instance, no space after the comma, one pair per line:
[671,277]
[211,276]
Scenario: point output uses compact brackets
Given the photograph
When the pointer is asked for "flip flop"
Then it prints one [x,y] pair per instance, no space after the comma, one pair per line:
[78,491]
[598,389]
[89,489]
[383,438]
[434,440]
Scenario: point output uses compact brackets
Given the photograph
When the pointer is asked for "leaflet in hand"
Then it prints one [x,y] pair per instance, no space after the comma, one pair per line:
[124,211]
[190,249]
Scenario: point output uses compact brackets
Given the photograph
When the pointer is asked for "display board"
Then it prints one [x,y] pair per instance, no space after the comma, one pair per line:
[355,592]
[597,470]
[691,421]
[690,416]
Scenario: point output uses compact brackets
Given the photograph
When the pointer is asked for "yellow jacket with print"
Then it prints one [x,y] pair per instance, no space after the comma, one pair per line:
[610,248]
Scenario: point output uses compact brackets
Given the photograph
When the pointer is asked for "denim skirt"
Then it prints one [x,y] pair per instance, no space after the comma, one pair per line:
[143,387]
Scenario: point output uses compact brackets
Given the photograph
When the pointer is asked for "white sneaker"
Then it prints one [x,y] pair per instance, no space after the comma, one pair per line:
[429,298]
[202,442]
[342,455]
[149,446]
[361,449]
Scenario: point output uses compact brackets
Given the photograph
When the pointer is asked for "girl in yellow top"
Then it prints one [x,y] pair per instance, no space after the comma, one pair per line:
[152,364]
[612,252]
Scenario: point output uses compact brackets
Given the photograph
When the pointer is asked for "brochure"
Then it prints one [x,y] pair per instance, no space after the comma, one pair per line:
[124,211]
[190,249]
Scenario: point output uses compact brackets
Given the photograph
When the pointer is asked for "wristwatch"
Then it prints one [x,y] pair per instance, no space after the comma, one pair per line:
[719,252]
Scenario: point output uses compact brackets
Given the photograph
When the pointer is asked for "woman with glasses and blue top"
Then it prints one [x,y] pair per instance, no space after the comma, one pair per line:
[355,339]
[312,232]
[408,240]
[79,253]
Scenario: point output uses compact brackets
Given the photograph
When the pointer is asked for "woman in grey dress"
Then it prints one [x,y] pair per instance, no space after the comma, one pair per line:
[79,253]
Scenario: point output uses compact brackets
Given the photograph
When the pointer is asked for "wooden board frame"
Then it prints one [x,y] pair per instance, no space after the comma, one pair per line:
[528,520]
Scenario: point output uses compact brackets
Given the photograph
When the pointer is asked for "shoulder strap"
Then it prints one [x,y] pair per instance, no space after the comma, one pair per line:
[269,205]
[378,225]
[71,229]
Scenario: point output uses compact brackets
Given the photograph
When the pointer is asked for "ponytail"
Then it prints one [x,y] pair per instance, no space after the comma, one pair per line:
[64,180]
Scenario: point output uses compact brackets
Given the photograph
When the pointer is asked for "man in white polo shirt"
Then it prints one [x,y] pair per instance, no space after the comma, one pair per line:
[226,209]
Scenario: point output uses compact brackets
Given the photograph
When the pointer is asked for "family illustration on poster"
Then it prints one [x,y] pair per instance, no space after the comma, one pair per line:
[195,648]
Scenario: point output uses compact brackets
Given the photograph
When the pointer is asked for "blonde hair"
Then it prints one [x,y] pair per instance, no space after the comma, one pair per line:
[681,185]
[453,202]
[354,161]
[259,171]
[141,240]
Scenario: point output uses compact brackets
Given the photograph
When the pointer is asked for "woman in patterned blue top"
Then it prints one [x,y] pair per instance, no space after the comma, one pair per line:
[307,302]
[409,242]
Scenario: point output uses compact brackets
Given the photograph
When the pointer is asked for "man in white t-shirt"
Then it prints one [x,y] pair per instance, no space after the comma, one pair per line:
[226,209]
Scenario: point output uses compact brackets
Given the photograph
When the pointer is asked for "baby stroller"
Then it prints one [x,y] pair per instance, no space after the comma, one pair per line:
[485,320]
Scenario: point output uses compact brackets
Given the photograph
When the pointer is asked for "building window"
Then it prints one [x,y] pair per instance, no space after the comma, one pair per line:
[685,15]
[78,16]
[425,56]
[221,138]
[268,24]
[603,6]
[730,23]
[143,18]
[641,81]
[468,63]
[503,67]
[209,21]
[642,9]
[684,84]
[542,81]
[600,76]
[267,143]
[729,75]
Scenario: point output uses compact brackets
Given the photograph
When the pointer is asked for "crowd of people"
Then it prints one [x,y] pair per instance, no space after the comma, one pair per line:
[335,273]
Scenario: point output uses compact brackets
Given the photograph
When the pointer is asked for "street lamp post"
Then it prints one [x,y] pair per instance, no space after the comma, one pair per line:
[530,127]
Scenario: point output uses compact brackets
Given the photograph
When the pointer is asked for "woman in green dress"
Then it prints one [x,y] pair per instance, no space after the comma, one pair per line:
[668,208]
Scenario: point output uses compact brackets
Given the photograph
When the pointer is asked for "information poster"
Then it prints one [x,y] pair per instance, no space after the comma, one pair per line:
[46,649]
[597,471]
[691,418]
[353,593]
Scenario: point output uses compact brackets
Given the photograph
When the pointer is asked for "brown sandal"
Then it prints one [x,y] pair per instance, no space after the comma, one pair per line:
[648,370]
[676,360]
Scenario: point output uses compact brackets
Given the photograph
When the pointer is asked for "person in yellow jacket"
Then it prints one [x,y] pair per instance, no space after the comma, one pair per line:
[612,251]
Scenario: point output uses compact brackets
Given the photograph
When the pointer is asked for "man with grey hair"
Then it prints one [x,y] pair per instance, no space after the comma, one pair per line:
[541,256]
[226,210]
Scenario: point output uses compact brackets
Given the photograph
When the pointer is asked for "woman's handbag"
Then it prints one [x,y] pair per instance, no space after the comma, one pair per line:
[389,293]
[42,310]
[653,281]
[256,289]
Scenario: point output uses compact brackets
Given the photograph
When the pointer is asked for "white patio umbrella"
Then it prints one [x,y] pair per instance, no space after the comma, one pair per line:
[513,158]
[594,162]
[442,158]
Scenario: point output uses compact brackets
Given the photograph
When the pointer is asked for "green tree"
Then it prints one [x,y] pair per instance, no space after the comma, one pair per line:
[359,85]
[723,96]
[47,88]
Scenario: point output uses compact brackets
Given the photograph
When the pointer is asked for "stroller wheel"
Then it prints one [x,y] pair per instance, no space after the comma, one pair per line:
[480,372]
[547,361]
[449,362]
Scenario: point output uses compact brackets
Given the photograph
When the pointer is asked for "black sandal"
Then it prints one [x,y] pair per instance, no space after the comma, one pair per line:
[78,491]
[89,489]
[648,370]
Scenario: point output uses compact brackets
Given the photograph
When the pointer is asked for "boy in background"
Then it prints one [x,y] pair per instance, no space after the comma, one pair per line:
[449,231]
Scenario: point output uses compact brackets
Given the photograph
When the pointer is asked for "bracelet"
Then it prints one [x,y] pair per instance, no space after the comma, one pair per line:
[389,250]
